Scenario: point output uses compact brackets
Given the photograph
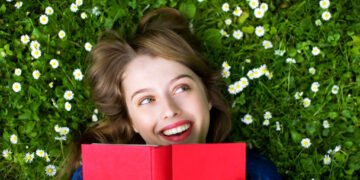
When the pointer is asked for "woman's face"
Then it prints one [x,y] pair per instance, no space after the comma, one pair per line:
[166,101]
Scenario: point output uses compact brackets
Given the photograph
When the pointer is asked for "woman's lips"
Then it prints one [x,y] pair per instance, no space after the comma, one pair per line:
[178,131]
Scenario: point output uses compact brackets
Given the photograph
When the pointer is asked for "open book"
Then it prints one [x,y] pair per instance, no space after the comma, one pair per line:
[225,161]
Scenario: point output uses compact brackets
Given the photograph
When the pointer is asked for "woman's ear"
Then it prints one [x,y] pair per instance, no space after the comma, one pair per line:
[210,105]
[135,130]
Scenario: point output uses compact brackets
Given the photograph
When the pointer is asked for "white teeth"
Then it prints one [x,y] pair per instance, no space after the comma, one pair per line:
[177,130]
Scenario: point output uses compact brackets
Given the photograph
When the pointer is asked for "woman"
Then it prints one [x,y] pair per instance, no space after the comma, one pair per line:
[155,88]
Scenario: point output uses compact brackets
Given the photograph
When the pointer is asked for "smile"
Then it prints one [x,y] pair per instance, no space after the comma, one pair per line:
[177,130]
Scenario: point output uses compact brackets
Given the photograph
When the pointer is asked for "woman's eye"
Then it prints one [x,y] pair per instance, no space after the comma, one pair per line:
[181,89]
[146,101]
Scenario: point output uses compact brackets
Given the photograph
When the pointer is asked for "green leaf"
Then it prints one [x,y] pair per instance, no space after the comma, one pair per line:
[212,37]
[295,136]
[188,9]
[248,29]
[3,9]
[243,17]
[333,115]
[346,113]
[25,115]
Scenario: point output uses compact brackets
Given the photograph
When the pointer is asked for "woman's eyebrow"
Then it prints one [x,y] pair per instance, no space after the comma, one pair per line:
[171,81]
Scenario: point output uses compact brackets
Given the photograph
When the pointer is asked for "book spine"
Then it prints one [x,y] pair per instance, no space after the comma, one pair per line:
[161,163]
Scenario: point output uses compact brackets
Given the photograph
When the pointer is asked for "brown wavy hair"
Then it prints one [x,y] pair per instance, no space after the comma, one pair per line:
[163,33]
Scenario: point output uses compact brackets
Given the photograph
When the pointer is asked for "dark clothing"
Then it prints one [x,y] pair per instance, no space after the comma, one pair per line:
[257,168]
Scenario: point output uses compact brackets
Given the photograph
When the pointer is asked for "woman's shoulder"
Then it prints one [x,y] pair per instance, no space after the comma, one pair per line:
[77,174]
[259,167]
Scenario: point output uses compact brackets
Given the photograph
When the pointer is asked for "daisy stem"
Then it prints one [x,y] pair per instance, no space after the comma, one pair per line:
[62,149]
[289,78]
[299,154]
[319,109]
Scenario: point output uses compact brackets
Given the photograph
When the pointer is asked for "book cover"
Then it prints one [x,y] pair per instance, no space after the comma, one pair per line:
[226,161]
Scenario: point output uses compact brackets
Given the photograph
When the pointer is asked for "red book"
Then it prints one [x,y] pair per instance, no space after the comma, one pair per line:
[225,161]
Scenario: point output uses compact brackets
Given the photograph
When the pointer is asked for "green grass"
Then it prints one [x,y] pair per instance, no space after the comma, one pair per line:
[31,115]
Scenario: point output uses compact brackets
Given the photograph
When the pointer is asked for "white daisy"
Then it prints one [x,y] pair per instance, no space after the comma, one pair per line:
[68,95]
[237,34]
[54,63]
[315,87]
[67,106]
[254,4]
[259,13]
[83,15]
[327,159]
[225,73]
[267,44]
[34,45]
[36,74]
[266,122]
[79,2]
[64,131]
[78,75]
[6,153]
[290,61]
[228,21]
[28,157]
[225,7]
[259,31]
[49,10]
[96,11]
[18,4]
[335,89]
[57,128]
[224,33]
[232,89]
[47,158]
[16,87]
[40,153]
[237,11]
[306,102]
[244,82]
[324,4]
[326,124]
[326,15]
[337,148]
[298,95]
[51,84]
[318,22]
[50,170]
[73,7]
[17,72]
[264,7]
[267,115]
[279,52]
[94,118]
[312,70]
[306,143]
[315,51]
[247,119]
[13,139]
[36,53]
[96,111]
[250,74]
[88,46]
[238,87]
[25,39]
[44,19]
[278,128]
[226,65]
[61,34]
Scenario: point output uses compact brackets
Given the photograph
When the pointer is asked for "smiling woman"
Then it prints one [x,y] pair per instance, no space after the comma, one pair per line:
[153,88]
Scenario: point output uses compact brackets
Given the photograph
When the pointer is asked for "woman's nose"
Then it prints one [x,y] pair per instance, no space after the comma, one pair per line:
[170,108]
